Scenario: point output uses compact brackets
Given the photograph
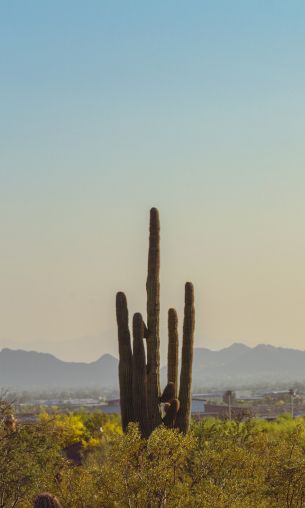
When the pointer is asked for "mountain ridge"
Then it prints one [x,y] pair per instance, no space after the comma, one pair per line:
[232,365]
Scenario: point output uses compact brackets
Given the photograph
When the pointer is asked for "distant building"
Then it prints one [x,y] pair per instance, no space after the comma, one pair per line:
[216,395]
[112,407]
[198,406]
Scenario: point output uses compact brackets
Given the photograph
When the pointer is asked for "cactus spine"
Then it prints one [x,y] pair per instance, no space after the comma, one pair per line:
[172,355]
[140,382]
[187,359]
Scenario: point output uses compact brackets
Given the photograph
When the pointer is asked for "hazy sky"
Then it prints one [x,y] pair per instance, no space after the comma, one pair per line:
[111,107]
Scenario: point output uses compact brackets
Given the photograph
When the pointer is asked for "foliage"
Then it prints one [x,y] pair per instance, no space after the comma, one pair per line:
[87,428]
[218,464]
[30,460]
[144,473]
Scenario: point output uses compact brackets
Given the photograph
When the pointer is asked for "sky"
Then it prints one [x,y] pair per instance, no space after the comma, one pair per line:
[111,107]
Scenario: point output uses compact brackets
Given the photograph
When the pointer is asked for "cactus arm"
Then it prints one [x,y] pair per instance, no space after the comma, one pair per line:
[139,381]
[145,331]
[169,419]
[183,417]
[125,360]
[173,344]
[168,393]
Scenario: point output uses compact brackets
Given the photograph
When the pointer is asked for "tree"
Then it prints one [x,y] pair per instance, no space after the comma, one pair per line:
[30,460]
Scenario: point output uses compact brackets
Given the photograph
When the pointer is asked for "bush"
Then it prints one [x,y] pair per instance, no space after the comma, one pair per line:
[253,464]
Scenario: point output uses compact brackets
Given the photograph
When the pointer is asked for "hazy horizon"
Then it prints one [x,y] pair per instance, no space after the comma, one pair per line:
[109,109]
[66,353]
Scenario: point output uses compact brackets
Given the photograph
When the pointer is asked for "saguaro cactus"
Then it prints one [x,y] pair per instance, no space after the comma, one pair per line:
[173,346]
[139,378]
[153,313]
[187,359]
[140,382]
[125,363]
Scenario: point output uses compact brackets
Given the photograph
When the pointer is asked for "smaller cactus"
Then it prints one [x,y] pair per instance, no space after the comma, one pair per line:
[125,363]
[139,380]
[168,393]
[183,418]
[173,345]
[171,412]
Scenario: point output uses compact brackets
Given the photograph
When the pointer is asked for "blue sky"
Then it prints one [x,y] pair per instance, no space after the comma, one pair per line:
[109,108]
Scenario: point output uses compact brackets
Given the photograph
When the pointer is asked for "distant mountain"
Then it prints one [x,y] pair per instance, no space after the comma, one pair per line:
[31,369]
[240,364]
[232,366]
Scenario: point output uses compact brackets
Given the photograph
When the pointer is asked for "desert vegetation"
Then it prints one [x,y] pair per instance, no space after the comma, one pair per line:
[86,461]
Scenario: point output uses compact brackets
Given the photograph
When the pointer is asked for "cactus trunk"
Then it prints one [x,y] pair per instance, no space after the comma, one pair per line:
[183,418]
[172,355]
[153,312]
[125,363]
[139,381]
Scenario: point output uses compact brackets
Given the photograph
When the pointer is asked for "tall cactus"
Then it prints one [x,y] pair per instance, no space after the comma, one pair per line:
[125,363]
[173,346]
[140,382]
[187,359]
[153,314]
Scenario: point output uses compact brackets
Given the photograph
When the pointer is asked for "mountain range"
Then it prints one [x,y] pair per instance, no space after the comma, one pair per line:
[233,366]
